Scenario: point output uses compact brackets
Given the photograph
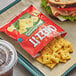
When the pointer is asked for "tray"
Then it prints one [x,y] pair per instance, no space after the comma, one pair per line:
[33,70]
[61,69]
[8,6]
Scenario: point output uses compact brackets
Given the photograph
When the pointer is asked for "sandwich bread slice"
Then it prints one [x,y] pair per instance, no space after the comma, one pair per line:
[61,9]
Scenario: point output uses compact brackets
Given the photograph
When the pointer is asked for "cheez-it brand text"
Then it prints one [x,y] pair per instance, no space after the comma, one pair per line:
[41,34]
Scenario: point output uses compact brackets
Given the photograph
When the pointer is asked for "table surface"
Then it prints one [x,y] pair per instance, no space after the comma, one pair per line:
[19,70]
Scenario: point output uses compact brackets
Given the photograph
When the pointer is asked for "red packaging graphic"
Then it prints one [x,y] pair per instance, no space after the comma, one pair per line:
[32,30]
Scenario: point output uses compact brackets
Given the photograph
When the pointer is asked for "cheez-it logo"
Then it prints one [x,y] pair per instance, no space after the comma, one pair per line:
[41,34]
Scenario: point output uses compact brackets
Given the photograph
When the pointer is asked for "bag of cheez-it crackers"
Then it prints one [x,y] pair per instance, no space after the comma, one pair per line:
[32,30]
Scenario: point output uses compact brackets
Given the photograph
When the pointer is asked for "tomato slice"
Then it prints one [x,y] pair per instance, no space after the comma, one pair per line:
[67,9]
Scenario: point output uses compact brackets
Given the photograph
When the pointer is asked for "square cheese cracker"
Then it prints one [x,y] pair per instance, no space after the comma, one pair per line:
[57,50]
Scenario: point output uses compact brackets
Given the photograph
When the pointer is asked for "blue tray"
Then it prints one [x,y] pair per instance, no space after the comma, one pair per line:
[10,5]
[33,70]
[24,62]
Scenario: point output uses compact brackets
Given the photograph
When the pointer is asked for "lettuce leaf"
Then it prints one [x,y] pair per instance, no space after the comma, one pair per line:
[71,18]
[48,9]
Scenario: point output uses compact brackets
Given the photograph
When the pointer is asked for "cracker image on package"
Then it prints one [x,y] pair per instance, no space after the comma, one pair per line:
[33,31]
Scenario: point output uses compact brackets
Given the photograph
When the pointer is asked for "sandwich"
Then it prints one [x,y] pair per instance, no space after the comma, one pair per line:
[60,9]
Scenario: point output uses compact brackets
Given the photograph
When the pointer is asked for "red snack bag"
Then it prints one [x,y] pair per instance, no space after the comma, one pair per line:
[32,30]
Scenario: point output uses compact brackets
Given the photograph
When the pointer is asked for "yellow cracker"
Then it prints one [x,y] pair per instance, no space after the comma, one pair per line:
[51,65]
[56,55]
[56,51]
[63,54]
[62,60]
[66,56]
[54,59]
[55,47]
[46,51]
[47,59]
[61,41]
[68,46]
[40,59]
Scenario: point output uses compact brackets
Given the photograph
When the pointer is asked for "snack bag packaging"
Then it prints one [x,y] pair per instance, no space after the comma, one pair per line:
[32,30]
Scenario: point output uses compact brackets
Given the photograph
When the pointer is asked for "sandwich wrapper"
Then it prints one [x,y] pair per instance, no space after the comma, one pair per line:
[55,71]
